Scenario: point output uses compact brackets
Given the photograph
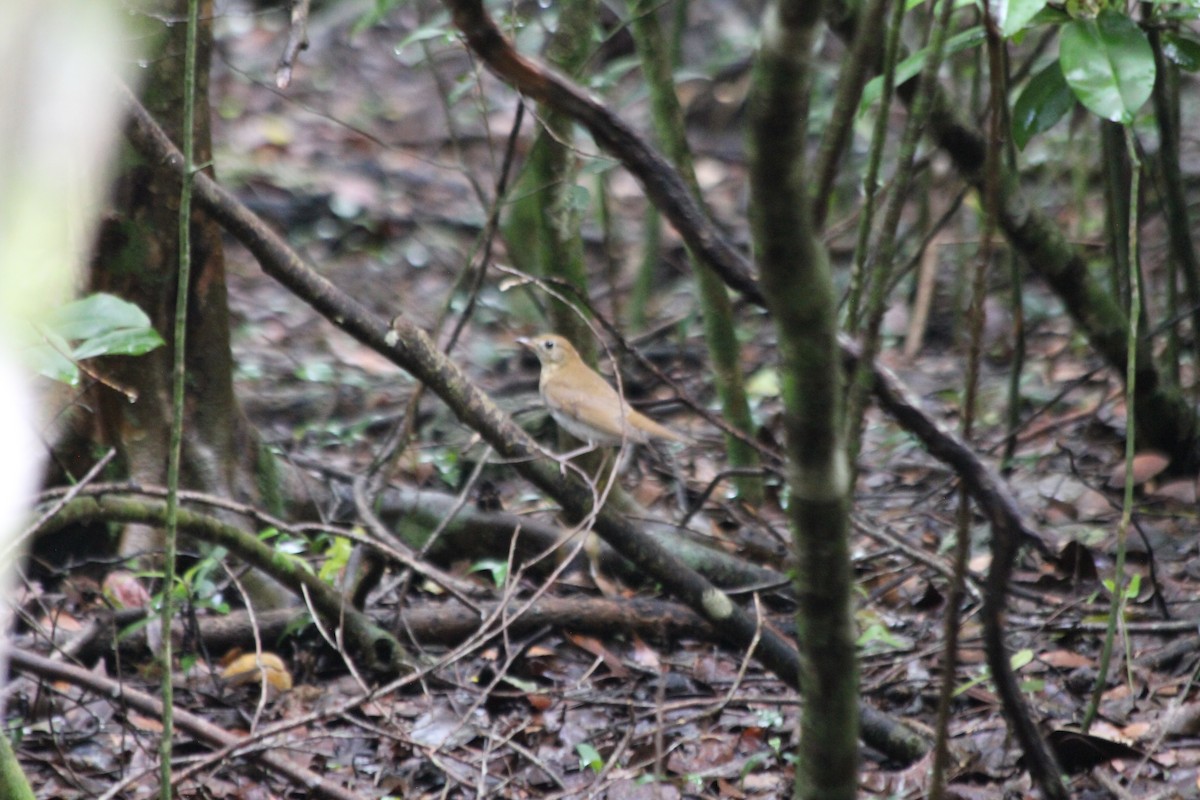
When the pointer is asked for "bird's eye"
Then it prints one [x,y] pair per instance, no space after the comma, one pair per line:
[549,345]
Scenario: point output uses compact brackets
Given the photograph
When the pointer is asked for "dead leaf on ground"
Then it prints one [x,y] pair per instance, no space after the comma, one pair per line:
[253,667]
[1146,465]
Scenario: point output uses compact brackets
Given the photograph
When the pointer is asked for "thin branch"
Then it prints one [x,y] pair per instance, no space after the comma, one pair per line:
[183,279]
[296,43]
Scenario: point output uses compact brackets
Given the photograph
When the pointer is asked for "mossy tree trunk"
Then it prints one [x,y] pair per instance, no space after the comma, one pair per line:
[720,332]
[799,290]
[543,232]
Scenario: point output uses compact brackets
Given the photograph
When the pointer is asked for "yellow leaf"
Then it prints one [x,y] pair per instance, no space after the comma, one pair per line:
[246,669]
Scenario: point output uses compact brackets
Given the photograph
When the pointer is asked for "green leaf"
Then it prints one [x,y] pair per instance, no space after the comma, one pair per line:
[1043,102]
[496,567]
[95,315]
[439,29]
[337,555]
[909,67]
[1018,14]
[764,383]
[101,324]
[297,624]
[589,757]
[1132,589]
[876,638]
[49,359]
[526,686]
[448,464]
[755,761]
[1020,659]
[316,372]
[1183,51]
[1108,63]
[123,342]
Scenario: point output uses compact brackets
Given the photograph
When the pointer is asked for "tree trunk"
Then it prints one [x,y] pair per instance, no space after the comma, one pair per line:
[137,258]
[798,287]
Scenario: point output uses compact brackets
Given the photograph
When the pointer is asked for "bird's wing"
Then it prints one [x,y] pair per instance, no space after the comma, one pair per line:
[652,428]
[590,398]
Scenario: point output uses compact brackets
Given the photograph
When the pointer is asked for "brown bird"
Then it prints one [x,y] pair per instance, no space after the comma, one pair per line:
[583,403]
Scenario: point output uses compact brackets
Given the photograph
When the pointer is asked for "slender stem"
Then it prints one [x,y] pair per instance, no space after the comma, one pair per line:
[179,374]
[871,181]
[1135,303]
[975,318]
[877,278]
[720,327]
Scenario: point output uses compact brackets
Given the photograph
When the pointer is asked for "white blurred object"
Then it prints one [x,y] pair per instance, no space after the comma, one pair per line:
[20,449]
[59,65]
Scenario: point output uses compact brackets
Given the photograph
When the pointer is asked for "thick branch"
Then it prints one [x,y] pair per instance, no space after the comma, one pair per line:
[801,297]
[492,532]
[442,623]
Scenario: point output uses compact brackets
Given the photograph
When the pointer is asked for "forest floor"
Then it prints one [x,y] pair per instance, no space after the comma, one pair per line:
[360,165]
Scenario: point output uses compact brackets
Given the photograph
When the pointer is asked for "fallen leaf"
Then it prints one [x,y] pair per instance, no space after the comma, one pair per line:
[1181,491]
[144,723]
[245,669]
[1079,751]
[1065,659]
[596,647]
[1146,465]
[124,590]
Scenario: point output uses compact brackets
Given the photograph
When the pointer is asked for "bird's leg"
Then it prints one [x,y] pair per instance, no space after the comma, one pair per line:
[601,482]
[680,480]
[624,457]
[610,467]
[562,459]
[578,451]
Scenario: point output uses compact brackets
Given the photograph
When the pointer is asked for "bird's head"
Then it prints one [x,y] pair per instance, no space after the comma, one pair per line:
[552,350]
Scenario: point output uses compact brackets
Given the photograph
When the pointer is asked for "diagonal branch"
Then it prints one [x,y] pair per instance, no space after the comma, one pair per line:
[661,181]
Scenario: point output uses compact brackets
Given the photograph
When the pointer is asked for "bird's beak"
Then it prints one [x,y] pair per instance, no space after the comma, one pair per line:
[521,340]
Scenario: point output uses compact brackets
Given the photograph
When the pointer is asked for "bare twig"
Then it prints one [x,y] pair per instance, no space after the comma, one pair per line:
[67,496]
[296,43]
